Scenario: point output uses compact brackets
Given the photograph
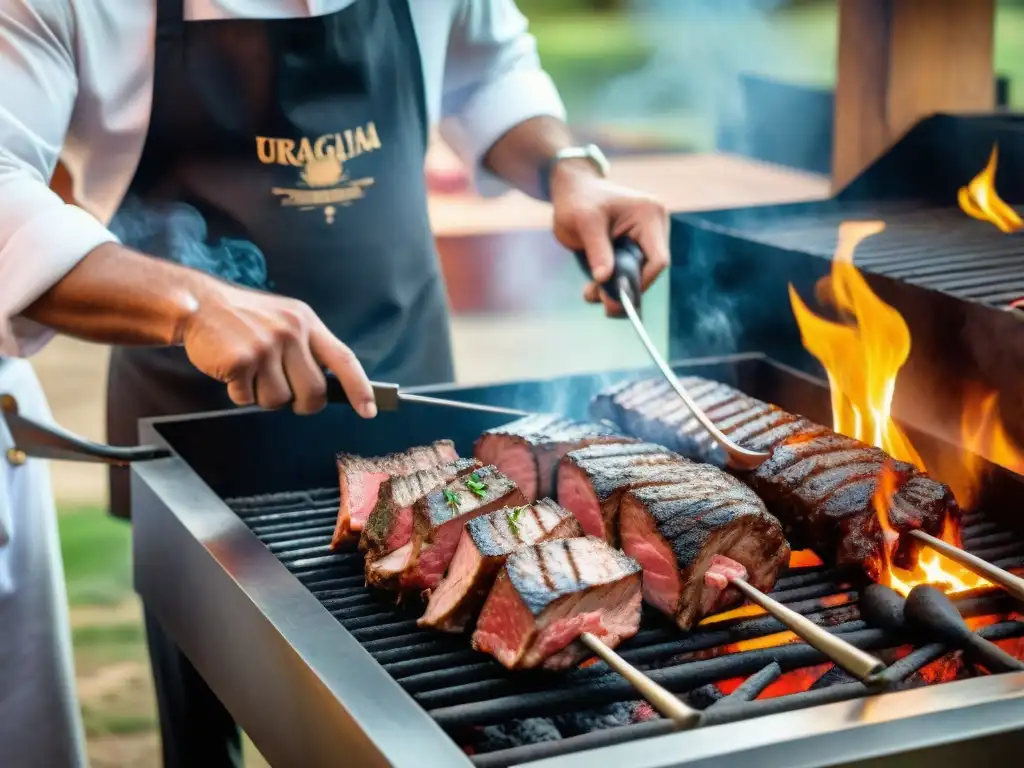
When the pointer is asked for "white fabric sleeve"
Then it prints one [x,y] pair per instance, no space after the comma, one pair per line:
[41,238]
[493,81]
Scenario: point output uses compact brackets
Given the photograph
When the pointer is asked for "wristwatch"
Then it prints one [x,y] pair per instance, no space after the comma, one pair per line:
[590,152]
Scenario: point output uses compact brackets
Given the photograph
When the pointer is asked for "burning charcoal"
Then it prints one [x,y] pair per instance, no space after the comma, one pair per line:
[834,676]
[611,716]
[705,696]
[515,733]
[643,711]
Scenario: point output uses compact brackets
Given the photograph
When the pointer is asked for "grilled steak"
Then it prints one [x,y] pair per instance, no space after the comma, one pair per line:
[485,544]
[820,484]
[360,479]
[548,594]
[389,525]
[438,519]
[676,531]
[528,449]
[591,481]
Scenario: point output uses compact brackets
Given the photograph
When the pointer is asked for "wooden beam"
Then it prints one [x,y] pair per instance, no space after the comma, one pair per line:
[901,61]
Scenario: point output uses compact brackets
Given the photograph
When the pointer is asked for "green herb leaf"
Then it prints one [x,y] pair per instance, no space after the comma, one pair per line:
[476,485]
[513,518]
[451,498]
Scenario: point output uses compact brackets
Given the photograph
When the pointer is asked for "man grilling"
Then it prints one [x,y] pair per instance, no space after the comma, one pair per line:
[270,154]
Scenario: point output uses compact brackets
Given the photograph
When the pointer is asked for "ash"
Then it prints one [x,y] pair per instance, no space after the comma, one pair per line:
[533,730]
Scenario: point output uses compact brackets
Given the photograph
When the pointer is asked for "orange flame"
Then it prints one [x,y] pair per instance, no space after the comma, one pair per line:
[984,436]
[980,200]
[862,356]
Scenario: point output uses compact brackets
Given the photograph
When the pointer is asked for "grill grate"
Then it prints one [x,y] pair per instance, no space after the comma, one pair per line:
[465,691]
[939,248]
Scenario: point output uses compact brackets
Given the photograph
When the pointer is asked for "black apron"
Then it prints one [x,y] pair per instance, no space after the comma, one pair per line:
[286,155]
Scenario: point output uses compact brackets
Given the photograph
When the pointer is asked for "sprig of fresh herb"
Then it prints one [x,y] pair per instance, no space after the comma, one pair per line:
[476,485]
[513,518]
[451,498]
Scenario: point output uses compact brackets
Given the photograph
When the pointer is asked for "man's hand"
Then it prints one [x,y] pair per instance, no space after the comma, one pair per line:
[270,350]
[267,349]
[591,211]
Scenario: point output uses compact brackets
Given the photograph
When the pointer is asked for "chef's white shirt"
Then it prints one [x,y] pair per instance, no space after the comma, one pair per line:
[76,82]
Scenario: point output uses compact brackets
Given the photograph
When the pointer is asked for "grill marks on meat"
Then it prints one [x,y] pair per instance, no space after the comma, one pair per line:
[548,594]
[485,544]
[528,450]
[591,481]
[676,531]
[820,484]
[389,525]
[360,479]
[438,519]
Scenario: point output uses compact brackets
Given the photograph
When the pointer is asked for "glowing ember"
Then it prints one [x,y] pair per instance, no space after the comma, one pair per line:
[767,641]
[804,558]
[743,612]
[862,356]
[794,681]
[980,200]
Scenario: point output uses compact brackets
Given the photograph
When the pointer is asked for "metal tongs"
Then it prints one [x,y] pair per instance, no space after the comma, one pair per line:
[624,287]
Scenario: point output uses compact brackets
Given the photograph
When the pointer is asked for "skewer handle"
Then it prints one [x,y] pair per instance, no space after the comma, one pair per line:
[668,704]
[858,663]
[1012,584]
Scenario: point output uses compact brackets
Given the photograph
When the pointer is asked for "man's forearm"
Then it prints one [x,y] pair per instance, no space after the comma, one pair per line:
[520,155]
[118,296]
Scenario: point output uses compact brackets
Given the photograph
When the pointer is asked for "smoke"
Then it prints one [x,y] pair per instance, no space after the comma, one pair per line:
[711,309]
[567,396]
[178,232]
[700,48]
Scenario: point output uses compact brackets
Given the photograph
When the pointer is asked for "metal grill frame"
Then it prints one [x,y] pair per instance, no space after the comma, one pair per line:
[308,694]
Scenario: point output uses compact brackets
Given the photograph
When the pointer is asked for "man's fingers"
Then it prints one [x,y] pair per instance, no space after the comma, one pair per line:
[308,385]
[341,361]
[272,388]
[652,237]
[592,293]
[241,389]
[592,230]
[612,308]
[646,223]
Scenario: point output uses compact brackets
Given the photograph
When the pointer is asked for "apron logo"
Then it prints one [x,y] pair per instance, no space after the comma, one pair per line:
[323,179]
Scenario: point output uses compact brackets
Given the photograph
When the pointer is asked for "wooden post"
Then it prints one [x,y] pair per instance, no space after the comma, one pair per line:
[903,60]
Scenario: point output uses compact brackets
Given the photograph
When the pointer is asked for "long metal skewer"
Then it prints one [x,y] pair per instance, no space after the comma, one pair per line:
[858,663]
[738,456]
[668,704]
[1012,584]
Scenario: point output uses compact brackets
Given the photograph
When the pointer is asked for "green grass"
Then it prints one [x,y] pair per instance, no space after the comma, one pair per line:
[97,557]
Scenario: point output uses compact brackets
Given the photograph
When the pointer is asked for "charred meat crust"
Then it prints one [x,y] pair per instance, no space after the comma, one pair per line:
[350,465]
[548,437]
[610,476]
[485,543]
[496,535]
[818,483]
[543,573]
[434,509]
[402,491]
